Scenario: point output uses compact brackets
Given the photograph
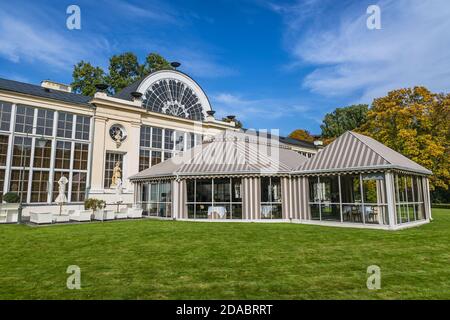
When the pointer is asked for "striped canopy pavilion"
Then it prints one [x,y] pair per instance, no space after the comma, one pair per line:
[355,180]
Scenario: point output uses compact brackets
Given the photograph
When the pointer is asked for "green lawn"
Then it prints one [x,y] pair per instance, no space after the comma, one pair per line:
[150,259]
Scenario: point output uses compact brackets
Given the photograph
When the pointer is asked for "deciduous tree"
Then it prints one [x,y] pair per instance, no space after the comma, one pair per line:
[416,123]
[343,119]
[85,77]
[302,135]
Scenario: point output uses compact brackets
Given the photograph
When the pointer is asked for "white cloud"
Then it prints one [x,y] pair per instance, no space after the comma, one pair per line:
[412,48]
[28,38]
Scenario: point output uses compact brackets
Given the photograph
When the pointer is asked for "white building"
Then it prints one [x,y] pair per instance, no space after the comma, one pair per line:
[47,132]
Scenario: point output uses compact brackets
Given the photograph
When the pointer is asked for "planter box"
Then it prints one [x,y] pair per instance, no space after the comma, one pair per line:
[58,218]
[41,217]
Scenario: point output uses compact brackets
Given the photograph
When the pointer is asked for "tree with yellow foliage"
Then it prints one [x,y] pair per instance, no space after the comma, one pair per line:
[302,135]
[416,123]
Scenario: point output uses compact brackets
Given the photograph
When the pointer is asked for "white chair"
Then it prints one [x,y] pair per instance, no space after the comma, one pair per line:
[134,213]
[41,217]
[81,215]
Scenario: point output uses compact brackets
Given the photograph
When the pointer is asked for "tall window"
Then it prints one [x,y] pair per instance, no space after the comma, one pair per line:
[39,186]
[146,134]
[158,199]
[218,198]
[44,122]
[271,198]
[21,152]
[82,127]
[24,119]
[156,137]
[111,159]
[3,149]
[78,186]
[5,115]
[2,182]
[63,154]
[80,157]
[357,198]
[42,154]
[65,125]
[409,198]
[19,183]
[158,144]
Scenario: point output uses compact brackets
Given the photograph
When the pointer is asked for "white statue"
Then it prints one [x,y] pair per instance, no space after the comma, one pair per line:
[117,175]
[61,198]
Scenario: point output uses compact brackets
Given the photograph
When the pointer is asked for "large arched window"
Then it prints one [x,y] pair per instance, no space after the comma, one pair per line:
[174,97]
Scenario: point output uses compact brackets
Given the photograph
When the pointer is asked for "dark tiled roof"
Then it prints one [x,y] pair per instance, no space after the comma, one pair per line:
[125,93]
[38,91]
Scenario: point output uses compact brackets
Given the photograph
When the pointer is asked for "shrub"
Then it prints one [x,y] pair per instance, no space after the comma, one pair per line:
[11,197]
[94,204]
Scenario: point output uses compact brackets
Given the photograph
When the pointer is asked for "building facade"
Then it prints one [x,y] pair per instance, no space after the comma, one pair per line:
[47,132]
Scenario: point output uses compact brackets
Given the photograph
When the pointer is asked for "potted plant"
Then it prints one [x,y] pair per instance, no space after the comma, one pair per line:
[12,205]
[94,204]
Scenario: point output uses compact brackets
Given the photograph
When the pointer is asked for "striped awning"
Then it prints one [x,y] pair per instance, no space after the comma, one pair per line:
[229,154]
[353,151]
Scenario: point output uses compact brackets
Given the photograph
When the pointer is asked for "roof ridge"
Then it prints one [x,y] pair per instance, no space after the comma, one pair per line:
[354,134]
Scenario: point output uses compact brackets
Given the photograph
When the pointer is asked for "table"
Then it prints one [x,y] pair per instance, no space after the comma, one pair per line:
[217,210]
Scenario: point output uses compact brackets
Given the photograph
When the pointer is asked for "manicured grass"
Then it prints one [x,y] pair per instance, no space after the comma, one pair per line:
[150,259]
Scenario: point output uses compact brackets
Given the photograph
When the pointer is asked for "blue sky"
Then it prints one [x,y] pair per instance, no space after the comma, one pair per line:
[274,64]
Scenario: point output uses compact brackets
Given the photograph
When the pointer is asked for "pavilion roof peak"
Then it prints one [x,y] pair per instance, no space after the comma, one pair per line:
[355,151]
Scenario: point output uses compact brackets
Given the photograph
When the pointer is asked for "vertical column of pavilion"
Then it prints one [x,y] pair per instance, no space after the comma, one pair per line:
[251,198]
[302,195]
[179,210]
[287,201]
[390,197]
[426,197]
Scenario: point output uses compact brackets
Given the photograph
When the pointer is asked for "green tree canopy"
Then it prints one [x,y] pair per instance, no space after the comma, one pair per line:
[85,77]
[155,62]
[343,119]
[302,135]
[124,69]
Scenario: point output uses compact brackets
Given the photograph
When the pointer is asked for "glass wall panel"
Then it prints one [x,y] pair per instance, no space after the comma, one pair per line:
[315,211]
[44,122]
[2,182]
[63,154]
[330,212]
[218,198]
[157,137]
[156,157]
[5,115]
[21,152]
[78,186]
[82,127]
[204,190]
[222,190]
[39,186]
[65,125]
[42,155]
[409,198]
[24,119]
[3,149]
[270,198]
[19,183]
[144,159]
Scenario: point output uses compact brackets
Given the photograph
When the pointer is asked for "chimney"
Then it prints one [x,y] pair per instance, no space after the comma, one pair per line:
[48,84]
